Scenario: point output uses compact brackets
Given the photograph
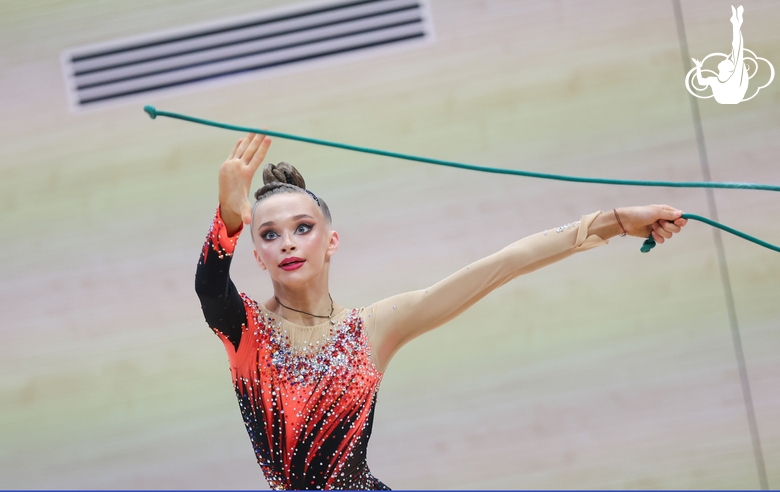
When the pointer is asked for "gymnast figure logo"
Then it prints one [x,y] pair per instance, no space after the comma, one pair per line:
[735,70]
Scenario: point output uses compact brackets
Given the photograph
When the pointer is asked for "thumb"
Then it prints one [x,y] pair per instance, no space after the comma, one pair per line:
[246,216]
[670,214]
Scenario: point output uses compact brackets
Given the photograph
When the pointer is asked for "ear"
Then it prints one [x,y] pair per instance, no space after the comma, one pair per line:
[259,261]
[333,244]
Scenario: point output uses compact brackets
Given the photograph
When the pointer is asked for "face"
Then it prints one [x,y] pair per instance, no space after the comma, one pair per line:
[293,240]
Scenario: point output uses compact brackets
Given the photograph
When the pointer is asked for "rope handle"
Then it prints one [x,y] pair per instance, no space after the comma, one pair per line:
[650,242]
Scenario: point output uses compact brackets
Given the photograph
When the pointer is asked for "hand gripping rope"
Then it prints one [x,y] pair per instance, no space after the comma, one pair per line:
[646,246]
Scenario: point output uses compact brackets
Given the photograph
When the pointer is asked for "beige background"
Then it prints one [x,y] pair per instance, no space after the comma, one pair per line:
[610,370]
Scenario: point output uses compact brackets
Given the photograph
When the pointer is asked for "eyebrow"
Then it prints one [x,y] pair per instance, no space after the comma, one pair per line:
[297,217]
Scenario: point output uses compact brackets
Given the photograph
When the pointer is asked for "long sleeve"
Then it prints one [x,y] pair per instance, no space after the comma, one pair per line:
[222,305]
[392,322]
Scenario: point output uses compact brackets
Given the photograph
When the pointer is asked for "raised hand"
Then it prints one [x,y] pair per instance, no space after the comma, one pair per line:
[662,221]
[696,62]
[235,179]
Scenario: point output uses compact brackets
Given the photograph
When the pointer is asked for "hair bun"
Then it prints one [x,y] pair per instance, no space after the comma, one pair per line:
[283,173]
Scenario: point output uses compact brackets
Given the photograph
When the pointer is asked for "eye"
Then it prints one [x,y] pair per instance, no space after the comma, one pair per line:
[269,235]
[303,228]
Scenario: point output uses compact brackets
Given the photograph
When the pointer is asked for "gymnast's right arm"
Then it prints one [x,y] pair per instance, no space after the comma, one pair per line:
[222,305]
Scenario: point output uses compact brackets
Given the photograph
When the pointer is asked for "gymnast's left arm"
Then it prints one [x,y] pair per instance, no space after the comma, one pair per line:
[394,321]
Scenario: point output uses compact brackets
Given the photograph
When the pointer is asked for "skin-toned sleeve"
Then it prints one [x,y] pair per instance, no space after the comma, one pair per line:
[392,322]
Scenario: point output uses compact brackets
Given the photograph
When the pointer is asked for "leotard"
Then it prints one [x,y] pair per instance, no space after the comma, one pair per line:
[307,393]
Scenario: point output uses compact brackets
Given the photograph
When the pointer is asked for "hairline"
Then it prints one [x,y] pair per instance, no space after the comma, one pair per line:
[291,188]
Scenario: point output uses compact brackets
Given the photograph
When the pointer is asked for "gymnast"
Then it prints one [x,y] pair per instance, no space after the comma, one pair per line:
[306,370]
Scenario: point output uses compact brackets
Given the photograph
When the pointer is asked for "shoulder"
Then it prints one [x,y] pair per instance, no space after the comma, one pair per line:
[249,302]
[255,312]
[352,318]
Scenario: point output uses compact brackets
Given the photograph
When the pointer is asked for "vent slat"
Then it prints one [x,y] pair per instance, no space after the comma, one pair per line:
[256,43]
[174,44]
[225,40]
[250,48]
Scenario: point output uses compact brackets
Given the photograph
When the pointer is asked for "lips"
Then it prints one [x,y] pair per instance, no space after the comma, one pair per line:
[291,263]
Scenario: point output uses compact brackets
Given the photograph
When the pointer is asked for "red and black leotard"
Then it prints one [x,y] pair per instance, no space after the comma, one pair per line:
[308,410]
[307,394]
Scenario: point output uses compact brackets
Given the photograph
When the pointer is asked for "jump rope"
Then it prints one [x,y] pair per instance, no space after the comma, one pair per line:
[646,246]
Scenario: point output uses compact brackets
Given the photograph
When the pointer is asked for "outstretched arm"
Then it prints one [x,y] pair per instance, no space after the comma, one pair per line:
[392,322]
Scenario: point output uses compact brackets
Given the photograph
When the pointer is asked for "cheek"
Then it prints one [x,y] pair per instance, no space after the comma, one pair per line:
[263,252]
[313,244]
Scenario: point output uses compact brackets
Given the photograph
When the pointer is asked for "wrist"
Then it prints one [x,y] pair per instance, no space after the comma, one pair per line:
[623,232]
[605,226]
[233,222]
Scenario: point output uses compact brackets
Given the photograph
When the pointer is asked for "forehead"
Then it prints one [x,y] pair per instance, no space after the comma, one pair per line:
[285,206]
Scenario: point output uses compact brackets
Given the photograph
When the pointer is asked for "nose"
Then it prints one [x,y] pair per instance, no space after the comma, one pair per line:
[288,245]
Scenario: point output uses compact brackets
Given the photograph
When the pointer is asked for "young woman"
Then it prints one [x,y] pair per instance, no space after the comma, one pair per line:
[306,370]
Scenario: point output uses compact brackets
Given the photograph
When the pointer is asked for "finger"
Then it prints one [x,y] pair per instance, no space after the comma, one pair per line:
[681,222]
[259,156]
[243,145]
[658,238]
[235,147]
[670,226]
[669,213]
[658,229]
[246,213]
[662,231]
[250,151]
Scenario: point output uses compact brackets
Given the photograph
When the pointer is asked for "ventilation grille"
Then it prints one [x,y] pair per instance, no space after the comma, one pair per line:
[258,42]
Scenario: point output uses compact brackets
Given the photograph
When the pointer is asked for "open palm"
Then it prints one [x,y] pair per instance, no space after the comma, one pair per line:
[235,179]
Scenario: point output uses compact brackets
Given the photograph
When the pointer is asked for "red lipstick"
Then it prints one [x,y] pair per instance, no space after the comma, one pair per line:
[291,263]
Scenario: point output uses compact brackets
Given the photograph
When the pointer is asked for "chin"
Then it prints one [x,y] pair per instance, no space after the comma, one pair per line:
[294,279]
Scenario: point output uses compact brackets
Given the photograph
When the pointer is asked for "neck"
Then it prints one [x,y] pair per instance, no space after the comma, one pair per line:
[313,300]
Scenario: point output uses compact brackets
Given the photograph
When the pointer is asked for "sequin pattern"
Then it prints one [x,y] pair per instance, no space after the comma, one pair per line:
[566,226]
[218,239]
[308,410]
[335,354]
[562,228]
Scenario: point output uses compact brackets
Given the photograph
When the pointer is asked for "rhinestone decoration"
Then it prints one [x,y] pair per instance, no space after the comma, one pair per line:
[566,226]
[308,409]
[218,241]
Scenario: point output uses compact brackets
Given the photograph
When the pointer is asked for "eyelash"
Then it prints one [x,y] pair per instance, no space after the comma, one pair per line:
[267,235]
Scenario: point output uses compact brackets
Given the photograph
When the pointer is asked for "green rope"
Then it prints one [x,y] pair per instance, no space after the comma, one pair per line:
[648,244]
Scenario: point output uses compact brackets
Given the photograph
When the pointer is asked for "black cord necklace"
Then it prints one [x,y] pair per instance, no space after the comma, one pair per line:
[330,316]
